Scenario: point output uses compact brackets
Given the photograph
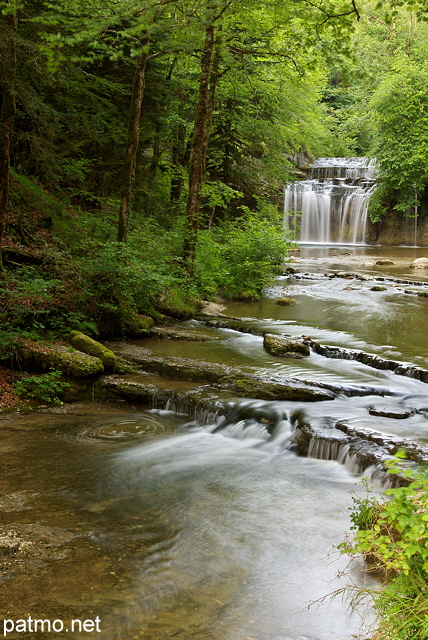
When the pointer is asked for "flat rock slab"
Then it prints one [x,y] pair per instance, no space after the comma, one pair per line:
[385,412]
[179,334]
[234,381]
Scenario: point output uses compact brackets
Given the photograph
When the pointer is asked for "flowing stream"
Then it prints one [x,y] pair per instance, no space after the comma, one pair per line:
[165,526]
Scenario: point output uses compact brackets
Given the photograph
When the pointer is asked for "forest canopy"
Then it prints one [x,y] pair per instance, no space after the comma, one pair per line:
[138,137]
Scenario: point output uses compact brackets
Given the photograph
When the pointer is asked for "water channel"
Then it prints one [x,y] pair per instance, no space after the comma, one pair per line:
[165,526]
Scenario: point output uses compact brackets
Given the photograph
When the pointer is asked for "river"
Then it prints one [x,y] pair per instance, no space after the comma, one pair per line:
[158,526]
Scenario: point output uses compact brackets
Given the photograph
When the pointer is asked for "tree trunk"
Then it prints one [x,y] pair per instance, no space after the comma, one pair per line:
[7,113]
[214,76]
[130,160]
[197,158]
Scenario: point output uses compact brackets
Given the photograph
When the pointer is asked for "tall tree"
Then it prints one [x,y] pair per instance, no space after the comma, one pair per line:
[130,160]
[206,97]
[245,38]
[8,30]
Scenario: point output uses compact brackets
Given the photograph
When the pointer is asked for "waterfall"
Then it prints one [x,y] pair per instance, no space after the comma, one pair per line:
[332,203]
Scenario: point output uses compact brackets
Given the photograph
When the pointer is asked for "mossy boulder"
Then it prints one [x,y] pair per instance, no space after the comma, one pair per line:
[122,321]
[285,347]
[91,347]
[285,302]
[137,325]
[175,305]
[43,357]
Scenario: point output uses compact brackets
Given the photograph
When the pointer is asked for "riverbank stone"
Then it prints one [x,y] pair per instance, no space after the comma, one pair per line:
[283,346]
[419,263]
[43,357]
[285,302]
[387,412]
[86,344]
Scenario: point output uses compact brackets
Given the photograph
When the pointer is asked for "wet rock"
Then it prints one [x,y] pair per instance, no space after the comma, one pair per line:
[285,302]
[248,386]
[422,294]
[212,308]
[178,334]
[378,287]
[93,348]
[283,346]
[179,368]
[42,357]
[233,380]
[243,325]
[387,412]
[384,262]
[399,368]
[356,448]
[131,390]
[419,263]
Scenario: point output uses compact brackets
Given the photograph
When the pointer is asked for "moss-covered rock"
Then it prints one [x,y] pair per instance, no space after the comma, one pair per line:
[116,322]
[137,325]
[285,347]
[254,387]
[174,305]
[86,344]
[285,302]
[230,379]
[73,363]
[179,334]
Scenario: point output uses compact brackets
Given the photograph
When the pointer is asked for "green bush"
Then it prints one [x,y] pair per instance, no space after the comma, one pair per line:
[393,535]
[44,389]
[242,256]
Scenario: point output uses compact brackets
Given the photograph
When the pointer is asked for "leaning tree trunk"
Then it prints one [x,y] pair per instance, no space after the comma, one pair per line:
[7,113]
[197,158]
[130,160]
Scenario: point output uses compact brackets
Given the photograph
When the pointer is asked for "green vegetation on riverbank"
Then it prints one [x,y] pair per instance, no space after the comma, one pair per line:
[72,274]
[391,534]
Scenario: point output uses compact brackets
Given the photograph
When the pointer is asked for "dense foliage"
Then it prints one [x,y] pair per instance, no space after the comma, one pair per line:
[392,535]
[151,141]
[148,143]
[378,97]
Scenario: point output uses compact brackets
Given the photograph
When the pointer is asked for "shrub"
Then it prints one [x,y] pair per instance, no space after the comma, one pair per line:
[44,389]
[242,256]
[393,535]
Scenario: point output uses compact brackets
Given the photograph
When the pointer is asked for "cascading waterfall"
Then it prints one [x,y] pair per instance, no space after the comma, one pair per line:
[331,205]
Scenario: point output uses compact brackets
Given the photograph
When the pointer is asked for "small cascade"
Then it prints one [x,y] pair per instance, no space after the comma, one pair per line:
[331,205]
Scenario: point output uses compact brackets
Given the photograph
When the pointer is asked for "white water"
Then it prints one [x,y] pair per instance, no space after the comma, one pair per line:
[331,206]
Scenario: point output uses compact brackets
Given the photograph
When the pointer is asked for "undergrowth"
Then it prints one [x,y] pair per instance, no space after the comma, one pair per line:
[45,389]
[391,534]
[65,269]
